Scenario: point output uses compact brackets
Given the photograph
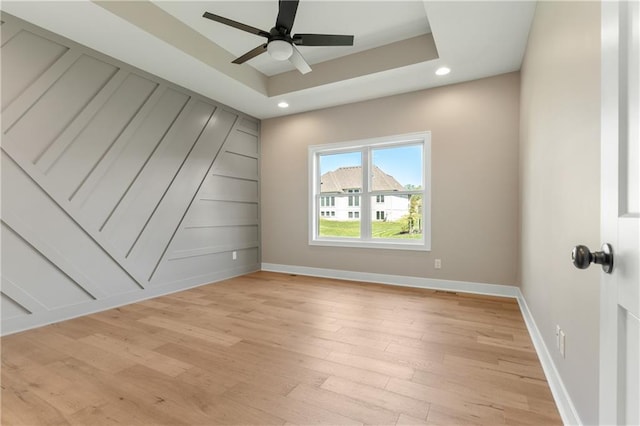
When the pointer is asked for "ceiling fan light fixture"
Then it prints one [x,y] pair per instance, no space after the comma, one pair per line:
[280,50]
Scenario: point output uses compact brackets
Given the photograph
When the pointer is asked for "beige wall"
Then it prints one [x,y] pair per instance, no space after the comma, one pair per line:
[474,129]
[560,187]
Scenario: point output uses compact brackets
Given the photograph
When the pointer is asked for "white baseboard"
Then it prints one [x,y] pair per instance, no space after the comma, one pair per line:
[561,396]
[399,280]
[565,405]
[39,319]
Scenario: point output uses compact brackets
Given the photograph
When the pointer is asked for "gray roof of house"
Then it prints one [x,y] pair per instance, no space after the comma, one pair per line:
[344,178]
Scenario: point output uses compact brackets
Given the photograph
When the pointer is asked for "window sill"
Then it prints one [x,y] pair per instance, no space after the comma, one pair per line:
[383,244]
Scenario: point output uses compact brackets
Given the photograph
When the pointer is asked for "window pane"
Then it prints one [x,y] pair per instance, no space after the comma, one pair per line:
[340,173]
[385,202]
[341,221]
[398,217]
[397,168]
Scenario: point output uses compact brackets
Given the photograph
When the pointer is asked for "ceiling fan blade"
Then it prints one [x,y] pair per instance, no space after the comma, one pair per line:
[251,54]
[234,24]
[298,61]
[323,40]
[286,15]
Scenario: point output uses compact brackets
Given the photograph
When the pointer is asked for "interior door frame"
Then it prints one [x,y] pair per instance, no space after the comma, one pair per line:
[608,207]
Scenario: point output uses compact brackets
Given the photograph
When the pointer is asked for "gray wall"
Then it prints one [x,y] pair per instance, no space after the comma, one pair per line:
[116,185]
[560,188]
[474,190]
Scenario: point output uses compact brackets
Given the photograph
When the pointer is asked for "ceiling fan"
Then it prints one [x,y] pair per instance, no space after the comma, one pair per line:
[281,44]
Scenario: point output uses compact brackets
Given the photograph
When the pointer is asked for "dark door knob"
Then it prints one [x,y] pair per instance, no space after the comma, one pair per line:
[582,257]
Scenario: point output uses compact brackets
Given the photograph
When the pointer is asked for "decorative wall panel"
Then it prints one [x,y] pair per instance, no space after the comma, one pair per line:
[116,186]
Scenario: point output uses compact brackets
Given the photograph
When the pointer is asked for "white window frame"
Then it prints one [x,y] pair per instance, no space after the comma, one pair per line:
[366,146]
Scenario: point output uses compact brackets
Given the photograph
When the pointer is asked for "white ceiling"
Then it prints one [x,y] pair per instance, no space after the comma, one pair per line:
[475,39]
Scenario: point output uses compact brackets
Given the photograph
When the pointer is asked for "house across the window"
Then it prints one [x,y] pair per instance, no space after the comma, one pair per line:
[344,179]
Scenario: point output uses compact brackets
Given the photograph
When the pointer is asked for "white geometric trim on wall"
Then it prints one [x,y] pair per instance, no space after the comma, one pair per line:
[110,183]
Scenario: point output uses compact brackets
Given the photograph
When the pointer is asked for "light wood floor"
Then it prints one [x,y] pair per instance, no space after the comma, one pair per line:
[277,349]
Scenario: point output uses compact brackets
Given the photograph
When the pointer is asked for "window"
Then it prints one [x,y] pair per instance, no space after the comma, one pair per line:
[354,200]
[378,191]
[327,201]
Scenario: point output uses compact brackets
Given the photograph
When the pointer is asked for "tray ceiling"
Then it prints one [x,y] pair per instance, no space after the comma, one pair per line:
[398,45]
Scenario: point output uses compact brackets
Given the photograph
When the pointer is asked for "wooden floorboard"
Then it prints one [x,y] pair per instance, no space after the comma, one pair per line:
[276,349]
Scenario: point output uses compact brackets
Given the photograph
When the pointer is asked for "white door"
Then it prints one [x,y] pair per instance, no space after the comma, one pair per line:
[620,214]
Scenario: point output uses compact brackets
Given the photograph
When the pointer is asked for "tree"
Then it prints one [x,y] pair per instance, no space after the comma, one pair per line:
[413,220]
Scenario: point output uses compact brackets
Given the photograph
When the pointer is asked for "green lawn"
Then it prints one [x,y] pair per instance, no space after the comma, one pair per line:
[336,228]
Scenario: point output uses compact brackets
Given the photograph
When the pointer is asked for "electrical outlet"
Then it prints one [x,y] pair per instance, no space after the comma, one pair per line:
[234,255]
[562,343]
[557,336]
[437,264]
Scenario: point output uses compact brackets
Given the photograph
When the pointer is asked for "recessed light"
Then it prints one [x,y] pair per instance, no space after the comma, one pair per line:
[443,71]
[283,104]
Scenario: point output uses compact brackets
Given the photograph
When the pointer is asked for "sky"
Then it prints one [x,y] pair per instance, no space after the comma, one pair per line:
[403,163]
